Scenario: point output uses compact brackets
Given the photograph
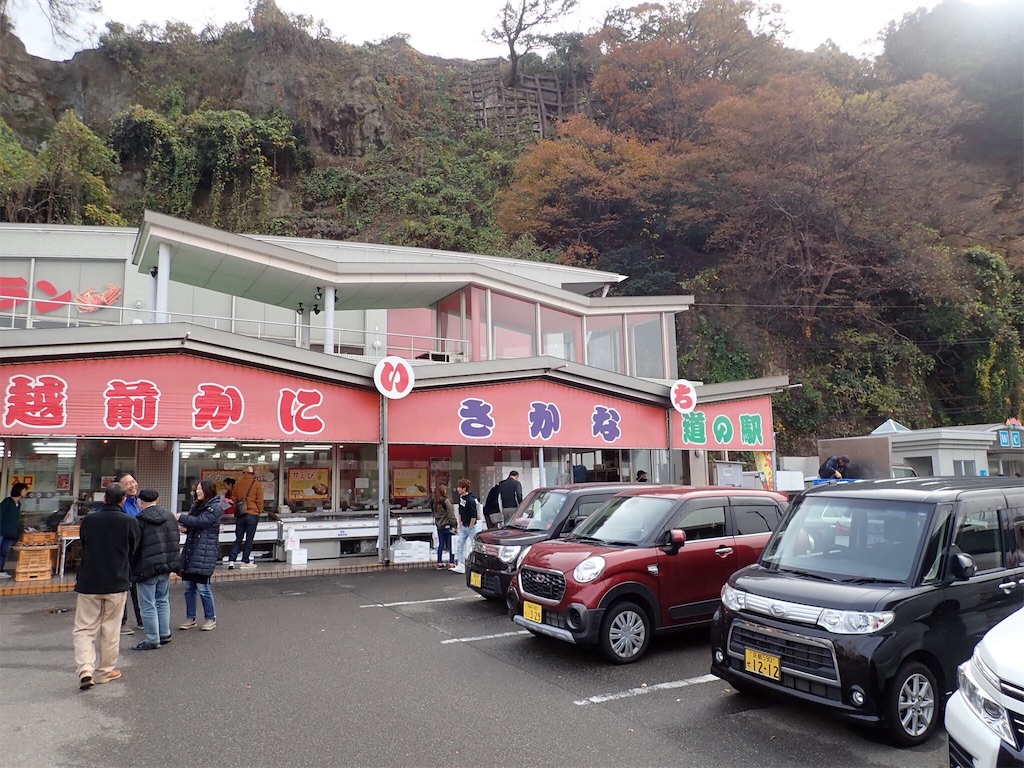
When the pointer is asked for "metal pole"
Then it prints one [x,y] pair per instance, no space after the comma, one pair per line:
[175,462]
[540,458]
[384,498]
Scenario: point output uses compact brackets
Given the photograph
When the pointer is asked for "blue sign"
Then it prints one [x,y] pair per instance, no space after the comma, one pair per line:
[1015,439]
[1004,438]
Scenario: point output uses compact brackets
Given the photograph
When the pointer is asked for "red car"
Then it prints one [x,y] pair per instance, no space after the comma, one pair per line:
[647,561]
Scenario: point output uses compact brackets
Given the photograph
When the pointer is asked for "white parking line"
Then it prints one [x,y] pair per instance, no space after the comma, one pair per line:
[600,699]
[483,637]
[419,602]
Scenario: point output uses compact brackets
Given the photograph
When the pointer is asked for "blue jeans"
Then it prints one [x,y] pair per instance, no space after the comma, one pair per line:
[465,532]
[444,541]
[155,605]
[5,550]
[244,528]
[191,587]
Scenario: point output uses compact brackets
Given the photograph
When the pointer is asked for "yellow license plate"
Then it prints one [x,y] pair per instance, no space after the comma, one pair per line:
[763,664]
[533,612]
[474,579]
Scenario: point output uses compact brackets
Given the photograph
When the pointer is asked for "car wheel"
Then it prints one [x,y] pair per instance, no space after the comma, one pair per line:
[625,633]
[914,707]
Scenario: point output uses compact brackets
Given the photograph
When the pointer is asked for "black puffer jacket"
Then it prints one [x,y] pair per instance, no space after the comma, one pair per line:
[159,552]
[202,544]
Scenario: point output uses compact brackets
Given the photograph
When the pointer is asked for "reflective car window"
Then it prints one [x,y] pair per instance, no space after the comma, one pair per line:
[978,534]
[626,519]
[538,510]
[755,518]
[850,538]
[586,507]
[705,523]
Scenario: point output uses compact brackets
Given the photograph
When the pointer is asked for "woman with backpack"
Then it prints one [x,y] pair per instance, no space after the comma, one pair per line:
[446,522]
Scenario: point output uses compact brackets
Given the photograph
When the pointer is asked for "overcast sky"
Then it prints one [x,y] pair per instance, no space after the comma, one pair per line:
[453,28]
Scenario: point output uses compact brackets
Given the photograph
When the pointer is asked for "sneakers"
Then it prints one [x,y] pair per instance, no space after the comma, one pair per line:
[126,630]
[247,566]
[231,564]
[451,566]
[145,645]
[85,681]
[111,676]
[188,624]
[208,625]
[165,640]
[440,566]
[4,575]
[460,568]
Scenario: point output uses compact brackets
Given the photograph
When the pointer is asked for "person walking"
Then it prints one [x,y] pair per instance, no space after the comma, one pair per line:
[469,513]
[110,542]
[159,557]
[131,508]
[199,556]
[446,522]
[10,523]
[248,507]
[511,492]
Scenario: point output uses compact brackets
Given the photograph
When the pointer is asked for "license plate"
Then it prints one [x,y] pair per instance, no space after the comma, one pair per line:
[533,612]
[474,579]
[763,664]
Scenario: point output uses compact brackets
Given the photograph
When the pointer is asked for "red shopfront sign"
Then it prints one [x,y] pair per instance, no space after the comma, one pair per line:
[737,425]
[526,413]
[180,396]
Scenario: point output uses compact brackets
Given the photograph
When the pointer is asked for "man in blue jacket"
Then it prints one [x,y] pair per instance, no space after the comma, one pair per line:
[110,540]
[131,508]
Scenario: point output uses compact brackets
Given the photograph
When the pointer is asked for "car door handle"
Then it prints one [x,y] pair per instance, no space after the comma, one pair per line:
[723,551]
[1006,586]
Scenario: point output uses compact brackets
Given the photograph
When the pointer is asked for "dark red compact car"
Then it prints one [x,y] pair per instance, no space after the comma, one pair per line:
[647,561]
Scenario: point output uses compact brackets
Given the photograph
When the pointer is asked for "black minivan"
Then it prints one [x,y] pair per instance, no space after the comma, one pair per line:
[869,594]
[545,513]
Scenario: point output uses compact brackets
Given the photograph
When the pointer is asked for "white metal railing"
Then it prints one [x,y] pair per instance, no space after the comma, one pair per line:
[375,344]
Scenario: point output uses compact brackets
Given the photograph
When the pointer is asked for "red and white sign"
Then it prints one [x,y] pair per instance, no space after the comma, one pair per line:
[180,396]
[684,396]
[394,377]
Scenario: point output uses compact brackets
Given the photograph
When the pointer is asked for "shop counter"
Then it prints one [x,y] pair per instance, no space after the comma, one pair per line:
[348,535]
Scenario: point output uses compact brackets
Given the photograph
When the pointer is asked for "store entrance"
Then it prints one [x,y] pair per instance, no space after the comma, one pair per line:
[598,466]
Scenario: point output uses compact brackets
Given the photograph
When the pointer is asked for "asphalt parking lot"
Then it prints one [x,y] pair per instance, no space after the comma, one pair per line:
[396,668]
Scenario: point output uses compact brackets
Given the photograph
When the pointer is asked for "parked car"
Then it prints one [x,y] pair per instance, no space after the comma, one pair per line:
[870,594]
[545,513]
[985,717]
[646,562]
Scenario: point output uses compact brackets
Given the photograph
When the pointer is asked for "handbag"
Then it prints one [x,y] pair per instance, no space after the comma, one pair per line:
[241,508]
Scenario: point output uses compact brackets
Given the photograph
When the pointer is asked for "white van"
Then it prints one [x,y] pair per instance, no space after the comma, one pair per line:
[985,717]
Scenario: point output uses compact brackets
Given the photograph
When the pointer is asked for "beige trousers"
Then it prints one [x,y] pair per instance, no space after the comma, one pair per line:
[98,620]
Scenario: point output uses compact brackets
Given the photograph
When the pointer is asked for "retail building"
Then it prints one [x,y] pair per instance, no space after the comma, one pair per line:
[178,352]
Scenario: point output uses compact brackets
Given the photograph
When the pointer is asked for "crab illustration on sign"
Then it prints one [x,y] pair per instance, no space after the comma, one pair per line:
[92,299]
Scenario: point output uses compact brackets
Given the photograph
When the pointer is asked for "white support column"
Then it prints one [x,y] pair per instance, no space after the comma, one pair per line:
[163,283]
[329,345]
[151,317]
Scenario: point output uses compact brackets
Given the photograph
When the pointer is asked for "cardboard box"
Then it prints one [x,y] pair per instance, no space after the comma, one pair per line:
[297,556]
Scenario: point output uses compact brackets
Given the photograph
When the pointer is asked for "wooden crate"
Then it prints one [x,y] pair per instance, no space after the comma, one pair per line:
[37,538]
[69,530]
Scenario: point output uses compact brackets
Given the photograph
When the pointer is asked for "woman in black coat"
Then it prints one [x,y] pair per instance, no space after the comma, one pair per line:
[201,552]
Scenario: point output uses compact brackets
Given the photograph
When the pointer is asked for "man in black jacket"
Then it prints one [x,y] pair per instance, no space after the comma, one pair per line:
[159,556]
[110,540]
[511,492]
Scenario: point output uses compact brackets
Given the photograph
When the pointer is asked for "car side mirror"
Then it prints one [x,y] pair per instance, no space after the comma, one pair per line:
[964,566]
[674,541]
[570,524]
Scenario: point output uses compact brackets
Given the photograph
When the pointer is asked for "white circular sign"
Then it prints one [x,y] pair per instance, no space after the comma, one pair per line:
[684,396]
[394,377]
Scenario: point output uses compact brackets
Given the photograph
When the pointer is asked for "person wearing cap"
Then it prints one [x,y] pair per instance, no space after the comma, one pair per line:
[159,557]
[834,468]
[641,476]
[248,496]
[510,491]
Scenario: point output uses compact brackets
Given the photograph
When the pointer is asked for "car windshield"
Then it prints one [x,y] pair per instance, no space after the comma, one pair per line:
[853,540]
[538,510]
[625,520]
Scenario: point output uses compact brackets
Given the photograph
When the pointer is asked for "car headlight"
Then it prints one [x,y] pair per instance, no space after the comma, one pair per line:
[522,556]
[988,710]
[733,599]
[588,570]
[479,547]
[508,554]
[854,622]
